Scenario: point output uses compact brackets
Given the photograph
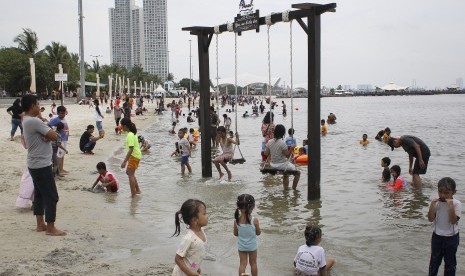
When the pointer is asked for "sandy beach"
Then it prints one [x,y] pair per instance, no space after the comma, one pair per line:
[90,225]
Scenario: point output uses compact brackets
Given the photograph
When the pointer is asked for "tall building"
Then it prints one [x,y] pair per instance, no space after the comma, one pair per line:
[156,37]
[459,82]
[140,35]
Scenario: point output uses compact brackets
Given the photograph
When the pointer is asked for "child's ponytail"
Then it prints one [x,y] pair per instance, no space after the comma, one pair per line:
[177,224]
[237,215]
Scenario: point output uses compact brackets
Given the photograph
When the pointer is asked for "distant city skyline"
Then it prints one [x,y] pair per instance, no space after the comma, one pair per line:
[362,42]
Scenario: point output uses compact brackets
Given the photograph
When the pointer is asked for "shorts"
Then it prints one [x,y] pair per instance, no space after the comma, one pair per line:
[284,166]
[184,160]
[225,157]
[213,132]
[133,163]
[60,152]
[416,166]
[99,126]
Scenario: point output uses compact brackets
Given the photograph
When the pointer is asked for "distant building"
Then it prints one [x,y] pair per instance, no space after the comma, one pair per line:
[459,82]
[346,87]
[365,87]
[139,36]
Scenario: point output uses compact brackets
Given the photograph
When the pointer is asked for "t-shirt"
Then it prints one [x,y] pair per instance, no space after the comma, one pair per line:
[276,147]
[192,249]
[16,110]
[108,177]
[85,138]
[310,259]
[442,225]
[98,114]
[127,110]
[133,141]
[65,133]
[290,140]
[184,146]
[56,143]
[407,142]
[117,112]
[39,149]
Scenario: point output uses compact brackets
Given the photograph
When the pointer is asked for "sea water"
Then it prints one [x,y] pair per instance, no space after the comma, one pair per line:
[368,229]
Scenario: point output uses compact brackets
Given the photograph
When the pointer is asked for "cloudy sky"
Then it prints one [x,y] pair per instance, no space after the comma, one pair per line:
[364,42]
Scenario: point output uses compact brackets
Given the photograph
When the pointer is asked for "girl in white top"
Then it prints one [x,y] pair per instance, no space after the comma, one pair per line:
[310,258]
[228,151]
[191,250]
[98,119]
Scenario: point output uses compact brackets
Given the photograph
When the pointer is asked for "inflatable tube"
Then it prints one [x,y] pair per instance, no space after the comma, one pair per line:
[296,150]
[303,159]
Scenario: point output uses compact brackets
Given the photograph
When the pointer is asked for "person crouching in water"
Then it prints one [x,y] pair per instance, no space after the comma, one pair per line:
[226,144]
[133,155]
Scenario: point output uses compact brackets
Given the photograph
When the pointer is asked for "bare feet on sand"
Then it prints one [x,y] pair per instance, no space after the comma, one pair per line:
[41,228]
[54,232]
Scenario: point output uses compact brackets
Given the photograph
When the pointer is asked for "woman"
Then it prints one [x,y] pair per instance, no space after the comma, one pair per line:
[267,131]
[16,112]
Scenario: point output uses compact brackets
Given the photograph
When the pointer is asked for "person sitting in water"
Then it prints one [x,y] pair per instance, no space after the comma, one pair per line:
[379,136]
[255,110]
[144,143]
[324,127]
[385,162]
[109,181]
[189,118]
[331,118]
[364,141]
[246,114]
[386,135]
[398,182]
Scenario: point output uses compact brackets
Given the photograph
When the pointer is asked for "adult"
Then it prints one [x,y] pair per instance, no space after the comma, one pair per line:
[267,131]
[37,136]
[280,152]
[331,118]
[415,148]
[87,141]
[214,122]
[16,112]
[127,108]
[284,108]
[61,111]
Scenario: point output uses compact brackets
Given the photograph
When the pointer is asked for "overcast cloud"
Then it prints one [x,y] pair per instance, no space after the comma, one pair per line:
[364,42]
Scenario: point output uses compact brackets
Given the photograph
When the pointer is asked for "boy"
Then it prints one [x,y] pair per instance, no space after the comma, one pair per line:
[364,141]
[87,141]
[109,181]
[61,118]
[57,144]
[192,138]
[185,148]
[290,140]
[445,213]
[227,122]
[386,175]
[324,128]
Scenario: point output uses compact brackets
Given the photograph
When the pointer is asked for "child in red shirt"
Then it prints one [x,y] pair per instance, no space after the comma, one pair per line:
[109,181]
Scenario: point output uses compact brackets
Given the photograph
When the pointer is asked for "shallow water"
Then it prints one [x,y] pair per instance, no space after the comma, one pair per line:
[369,230]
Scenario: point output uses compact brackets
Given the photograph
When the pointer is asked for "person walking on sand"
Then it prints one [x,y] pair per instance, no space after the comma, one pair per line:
[37,136]
[415,148]
[16,113]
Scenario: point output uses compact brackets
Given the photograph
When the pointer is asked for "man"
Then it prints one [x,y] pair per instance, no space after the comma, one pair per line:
[37,137]
[87,141]
[417,149]
[214,122]
[61,112]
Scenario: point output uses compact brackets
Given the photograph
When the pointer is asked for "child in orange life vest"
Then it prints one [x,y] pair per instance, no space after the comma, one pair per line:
[324,127]
[109,181]
[398,182]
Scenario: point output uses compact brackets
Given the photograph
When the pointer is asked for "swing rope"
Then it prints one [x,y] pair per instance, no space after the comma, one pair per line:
[217,31]
[241,160]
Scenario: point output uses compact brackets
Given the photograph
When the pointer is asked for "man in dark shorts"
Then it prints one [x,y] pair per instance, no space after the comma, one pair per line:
[214,122]
[417,149]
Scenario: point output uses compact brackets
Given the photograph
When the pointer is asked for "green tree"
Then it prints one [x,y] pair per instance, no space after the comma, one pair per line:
[58,54]
[27,41]
[14,70]
[185,83]
[170,77]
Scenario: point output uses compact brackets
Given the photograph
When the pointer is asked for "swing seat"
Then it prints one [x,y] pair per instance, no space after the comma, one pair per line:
[274,171]
[235,161]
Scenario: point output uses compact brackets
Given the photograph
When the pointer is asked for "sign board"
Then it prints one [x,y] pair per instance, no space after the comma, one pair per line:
[61,77]
[247,22]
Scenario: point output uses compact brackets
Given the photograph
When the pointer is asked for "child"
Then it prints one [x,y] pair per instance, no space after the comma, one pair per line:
[192,138]
[191,251]
[444,212]
[108,111]
[385,162]
[133,156]
[185,149]
[246,229]
[379,136]
[227,122]
[98,119]
[290,140]
[398,182]
[109,181]
[386,135]
[364,141]
[55,146]
[228,151]
[310,258]
[324,127]
[172,131]
[144,143]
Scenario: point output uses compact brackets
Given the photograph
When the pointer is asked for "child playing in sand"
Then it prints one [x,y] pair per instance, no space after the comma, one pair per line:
[109,181]
[398,182]
[185,149]
[364,141]
[310,258]
[444,212]
[133,155]
[192,249]
[246,229]
[228,151]
[324,127]
[385,162]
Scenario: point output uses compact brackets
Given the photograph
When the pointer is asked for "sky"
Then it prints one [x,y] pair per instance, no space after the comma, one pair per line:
[414,42]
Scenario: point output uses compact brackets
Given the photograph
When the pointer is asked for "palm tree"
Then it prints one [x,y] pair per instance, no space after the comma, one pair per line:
[27,41]
[58,53]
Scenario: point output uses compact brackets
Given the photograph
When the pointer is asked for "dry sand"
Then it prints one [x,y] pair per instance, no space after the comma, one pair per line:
[92,227]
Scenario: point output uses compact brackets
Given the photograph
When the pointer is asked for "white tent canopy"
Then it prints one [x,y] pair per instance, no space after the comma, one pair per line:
[160,89]
[247,78]
[393,87]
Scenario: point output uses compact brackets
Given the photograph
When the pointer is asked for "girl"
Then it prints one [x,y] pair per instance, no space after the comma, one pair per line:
[191,250]
[310,258]
[397,181]
[98,119]
[133,156]
[246,233]
[228,151]
[267,131]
